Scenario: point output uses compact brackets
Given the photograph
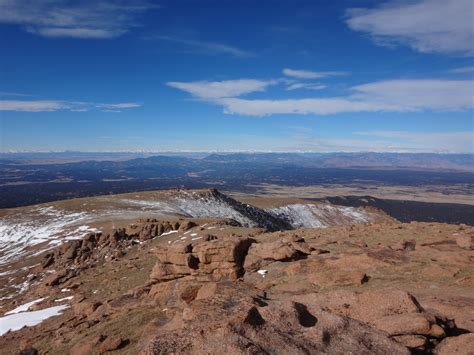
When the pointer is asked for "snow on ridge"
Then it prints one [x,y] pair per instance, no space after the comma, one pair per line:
[189,204]
[212,207]
[319,216]
[39,225]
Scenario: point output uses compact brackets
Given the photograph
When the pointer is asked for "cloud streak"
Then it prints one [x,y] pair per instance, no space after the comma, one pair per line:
[434,141]
[306,74]
[206,47]
[429,26]
[57,105]
[209,90]
[309,86]
[462,70]
[382,96]
[80,19]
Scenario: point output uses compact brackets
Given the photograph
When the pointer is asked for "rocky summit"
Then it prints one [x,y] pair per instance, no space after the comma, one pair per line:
[210,283]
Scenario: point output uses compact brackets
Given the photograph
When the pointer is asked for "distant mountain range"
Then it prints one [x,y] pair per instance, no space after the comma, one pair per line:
[428,161]
[30,178]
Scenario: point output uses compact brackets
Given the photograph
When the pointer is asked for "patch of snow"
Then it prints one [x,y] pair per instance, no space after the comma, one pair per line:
[24,307]
[167,233]
[196,238]
[64,299]
[194,234]
[19,320]
[37,225]
[22,287]
[66,290]
[263,272]
[194,207]
[320,216]
[211,227]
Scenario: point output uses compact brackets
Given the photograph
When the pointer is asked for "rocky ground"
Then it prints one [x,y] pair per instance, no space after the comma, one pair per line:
[208,285]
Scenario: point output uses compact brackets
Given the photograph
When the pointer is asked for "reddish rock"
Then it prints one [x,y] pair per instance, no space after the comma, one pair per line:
[111,343]
[187,225]
[460,345]
[85,308]
[464,241]
[289,248]
[86,346]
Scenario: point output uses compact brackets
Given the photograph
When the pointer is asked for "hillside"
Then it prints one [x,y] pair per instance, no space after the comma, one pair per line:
[199,272]
[28,230]
[214,287]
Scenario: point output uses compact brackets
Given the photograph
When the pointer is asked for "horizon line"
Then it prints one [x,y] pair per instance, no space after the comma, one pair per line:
[228,152]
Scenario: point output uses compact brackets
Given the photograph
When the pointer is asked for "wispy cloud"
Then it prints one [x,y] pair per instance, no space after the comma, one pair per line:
[306,74]
[462,70]
[57,105]
[207,47]
[78,19]
[381,96]
[310,86]
[210,90]
[316,106]
[461,141]
[418,95]
[13,94]
[119,106]
[439,26]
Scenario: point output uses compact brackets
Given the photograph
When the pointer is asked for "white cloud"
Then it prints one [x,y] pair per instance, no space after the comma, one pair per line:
[418,135]
[31,106]
[77,32]
[439,26]
[306,74]
[462,141]
[119,106]
[207,47]
[462,70]
[417,95]
[209,90]
[56,105]
[309,86]
[78,19]
[382,96]
[317,106]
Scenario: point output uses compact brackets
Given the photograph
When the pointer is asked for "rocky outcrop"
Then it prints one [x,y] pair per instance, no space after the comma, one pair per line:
[460,345]
[149,228]
[242,291]
[217,258]
[392,311]
[211,259]
[88,250]
[238,319]
[284,249]
[75,255]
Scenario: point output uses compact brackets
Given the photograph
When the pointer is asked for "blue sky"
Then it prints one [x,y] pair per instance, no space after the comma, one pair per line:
[280,75]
